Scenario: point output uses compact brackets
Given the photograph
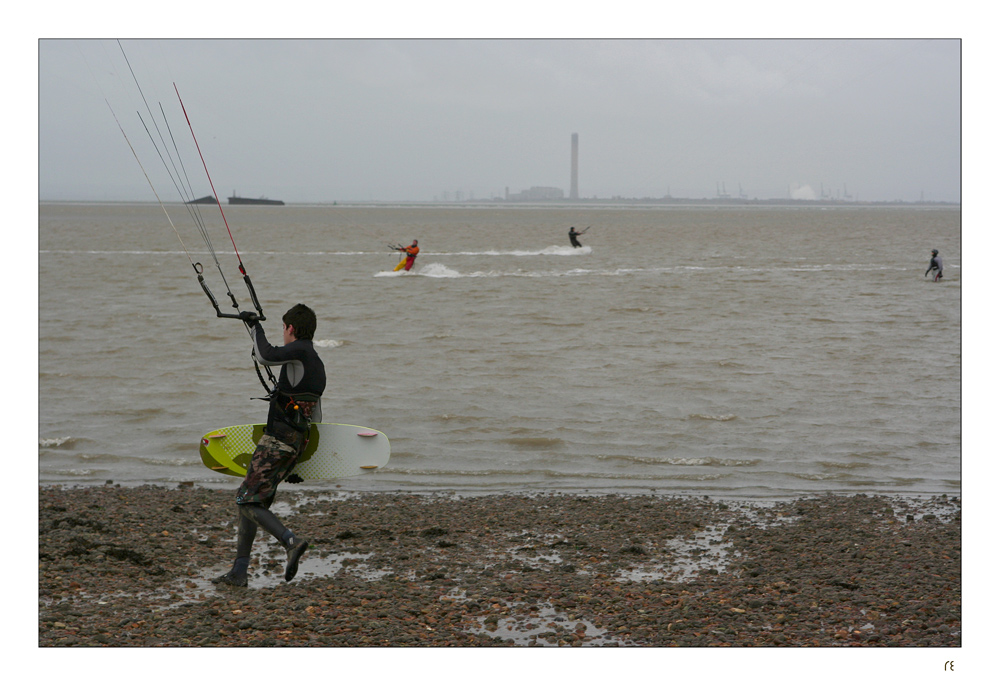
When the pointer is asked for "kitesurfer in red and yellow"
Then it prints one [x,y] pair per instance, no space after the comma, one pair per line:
[411,255]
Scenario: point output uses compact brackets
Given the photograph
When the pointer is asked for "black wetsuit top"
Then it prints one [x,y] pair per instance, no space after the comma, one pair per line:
[302,377]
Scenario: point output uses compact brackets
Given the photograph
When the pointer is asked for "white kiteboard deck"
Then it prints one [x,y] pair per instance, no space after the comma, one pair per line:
[334,451]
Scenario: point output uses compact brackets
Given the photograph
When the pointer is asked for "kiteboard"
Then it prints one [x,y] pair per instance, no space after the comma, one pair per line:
[334,451]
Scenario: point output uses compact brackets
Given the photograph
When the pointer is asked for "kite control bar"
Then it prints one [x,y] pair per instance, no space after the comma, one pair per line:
[204,286]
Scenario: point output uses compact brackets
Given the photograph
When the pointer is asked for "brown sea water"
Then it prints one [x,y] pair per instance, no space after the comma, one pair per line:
[750,351]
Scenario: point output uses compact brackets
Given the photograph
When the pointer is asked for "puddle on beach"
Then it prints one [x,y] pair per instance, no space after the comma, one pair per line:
[271,569]
[692,555]
[941,507]
[316,566]
[199,588]
[533,625]
[542,625]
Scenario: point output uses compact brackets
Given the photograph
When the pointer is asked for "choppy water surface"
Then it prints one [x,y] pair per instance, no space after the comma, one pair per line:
[716,350]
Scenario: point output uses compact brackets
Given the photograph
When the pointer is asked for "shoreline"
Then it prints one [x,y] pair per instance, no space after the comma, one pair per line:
[361,487]
[129,566]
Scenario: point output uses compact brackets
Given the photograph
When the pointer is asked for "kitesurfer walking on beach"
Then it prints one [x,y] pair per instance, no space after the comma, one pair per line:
[573,233]
[936,266]
[411,255]
[294,405]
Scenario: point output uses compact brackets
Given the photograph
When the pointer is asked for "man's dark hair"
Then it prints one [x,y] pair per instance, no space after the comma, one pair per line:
[303,320]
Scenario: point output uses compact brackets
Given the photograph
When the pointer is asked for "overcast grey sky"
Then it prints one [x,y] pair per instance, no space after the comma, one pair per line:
[411,120]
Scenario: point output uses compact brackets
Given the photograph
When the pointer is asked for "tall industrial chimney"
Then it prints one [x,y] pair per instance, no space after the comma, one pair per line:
[574,189]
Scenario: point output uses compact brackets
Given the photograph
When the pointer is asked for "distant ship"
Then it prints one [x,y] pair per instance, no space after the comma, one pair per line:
[207,200]
[236,200]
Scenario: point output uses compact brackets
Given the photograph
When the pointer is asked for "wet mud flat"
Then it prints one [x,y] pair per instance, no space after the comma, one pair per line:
[131,567]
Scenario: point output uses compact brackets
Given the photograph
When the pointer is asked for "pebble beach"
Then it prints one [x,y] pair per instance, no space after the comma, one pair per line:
[131,566]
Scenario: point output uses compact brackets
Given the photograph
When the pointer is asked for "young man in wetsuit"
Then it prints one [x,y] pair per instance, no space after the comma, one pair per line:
[294,405]
[937,266]
[411,256]
[573,233]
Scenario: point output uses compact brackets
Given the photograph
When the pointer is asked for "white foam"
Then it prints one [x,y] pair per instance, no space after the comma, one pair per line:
[53,442]
[437,270]
[569,251]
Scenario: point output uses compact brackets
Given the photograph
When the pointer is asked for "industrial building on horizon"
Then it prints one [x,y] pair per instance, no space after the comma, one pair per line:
[535,193]
[549,192]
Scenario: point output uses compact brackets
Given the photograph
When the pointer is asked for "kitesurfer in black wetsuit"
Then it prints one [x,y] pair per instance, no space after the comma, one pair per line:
[573,233]
[294,405]
[936,266]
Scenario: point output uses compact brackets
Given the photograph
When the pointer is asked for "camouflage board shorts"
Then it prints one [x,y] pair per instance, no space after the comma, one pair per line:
[271,463]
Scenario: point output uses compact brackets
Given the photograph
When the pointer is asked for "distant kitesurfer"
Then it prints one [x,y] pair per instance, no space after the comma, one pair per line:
[573,233]
[937,266]
[294,405]
[408,259]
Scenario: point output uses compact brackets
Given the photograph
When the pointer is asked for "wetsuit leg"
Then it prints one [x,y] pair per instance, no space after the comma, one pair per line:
[294,546]
[264,518]
[246,532]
